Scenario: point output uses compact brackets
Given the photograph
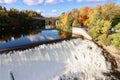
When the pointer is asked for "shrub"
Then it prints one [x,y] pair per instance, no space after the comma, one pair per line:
[116,40]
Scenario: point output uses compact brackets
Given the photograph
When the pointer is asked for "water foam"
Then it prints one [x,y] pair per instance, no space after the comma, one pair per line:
[68,59]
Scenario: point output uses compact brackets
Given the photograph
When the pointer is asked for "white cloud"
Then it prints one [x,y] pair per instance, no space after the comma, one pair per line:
[7,1]
[51,1]
[99,0]
[79,0]
[95,0]
[33,2]
[36,2]
[1,2]
[69,0]
[54,11]
[40,11]
[40,1]
[61,0]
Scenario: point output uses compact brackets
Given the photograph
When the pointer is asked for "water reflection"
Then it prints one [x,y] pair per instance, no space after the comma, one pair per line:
[45,35]
[8,35]
[16,38]
[64,34]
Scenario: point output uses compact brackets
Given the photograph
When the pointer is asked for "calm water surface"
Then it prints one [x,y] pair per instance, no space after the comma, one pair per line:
[32,37]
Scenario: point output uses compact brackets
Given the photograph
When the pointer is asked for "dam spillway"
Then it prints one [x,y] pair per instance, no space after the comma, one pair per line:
[69,59]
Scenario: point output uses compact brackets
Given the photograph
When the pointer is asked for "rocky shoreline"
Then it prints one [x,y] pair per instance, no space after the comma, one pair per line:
[110,53]
[115,64]
[115,55]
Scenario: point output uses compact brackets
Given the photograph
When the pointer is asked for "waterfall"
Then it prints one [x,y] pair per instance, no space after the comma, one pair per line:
[66,60]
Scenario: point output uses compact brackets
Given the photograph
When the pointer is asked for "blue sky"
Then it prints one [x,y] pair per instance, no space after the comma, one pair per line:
[52,7]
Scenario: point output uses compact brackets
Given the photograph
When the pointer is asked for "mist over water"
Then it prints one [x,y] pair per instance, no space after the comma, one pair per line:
[75,58]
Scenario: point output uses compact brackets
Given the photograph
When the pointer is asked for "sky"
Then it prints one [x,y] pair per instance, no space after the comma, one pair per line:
[52,7]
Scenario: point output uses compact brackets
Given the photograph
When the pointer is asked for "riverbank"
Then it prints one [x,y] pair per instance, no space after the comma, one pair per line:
[114,52]
[111,51]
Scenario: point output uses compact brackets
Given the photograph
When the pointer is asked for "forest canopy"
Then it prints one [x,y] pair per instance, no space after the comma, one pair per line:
[13,18]
[102,22]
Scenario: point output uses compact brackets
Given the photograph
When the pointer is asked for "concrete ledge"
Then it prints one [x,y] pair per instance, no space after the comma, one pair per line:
[81,31]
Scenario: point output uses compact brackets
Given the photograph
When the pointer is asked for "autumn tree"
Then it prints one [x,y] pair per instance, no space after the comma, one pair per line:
[101,21]
[83,14]
[66,19]
[75,14]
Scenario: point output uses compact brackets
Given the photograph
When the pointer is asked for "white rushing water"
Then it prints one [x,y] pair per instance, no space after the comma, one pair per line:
[72,59]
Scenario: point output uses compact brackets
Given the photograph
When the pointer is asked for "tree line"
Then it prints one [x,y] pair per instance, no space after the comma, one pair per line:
[15,19]
[102,22]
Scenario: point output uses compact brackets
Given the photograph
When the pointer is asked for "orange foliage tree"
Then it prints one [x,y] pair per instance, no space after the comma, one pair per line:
[83,15]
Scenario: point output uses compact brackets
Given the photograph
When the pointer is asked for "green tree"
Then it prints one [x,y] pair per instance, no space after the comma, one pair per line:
[75,14]
[95,32]
[69,20]
[75,23]
[117,27]
[4,19]
[13,13]
[105,39]
[106,26]
[116,40]
[101,27]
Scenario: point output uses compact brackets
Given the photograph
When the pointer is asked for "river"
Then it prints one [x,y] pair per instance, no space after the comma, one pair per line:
[31,37]
[73,59]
